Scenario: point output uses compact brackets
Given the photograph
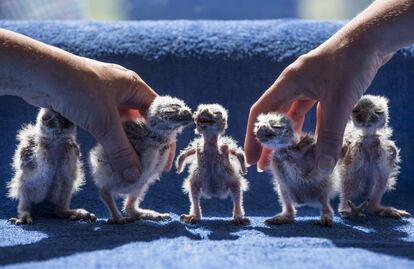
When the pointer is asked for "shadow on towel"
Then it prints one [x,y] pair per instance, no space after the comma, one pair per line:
[64,238]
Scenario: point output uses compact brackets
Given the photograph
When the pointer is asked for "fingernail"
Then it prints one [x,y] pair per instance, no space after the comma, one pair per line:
[259,170]
[326,164]
[131,174]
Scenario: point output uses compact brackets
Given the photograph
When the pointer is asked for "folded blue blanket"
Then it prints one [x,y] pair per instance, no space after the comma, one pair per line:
[230,63]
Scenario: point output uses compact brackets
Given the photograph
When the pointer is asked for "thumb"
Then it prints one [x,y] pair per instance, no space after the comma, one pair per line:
[332,119]
[117,147]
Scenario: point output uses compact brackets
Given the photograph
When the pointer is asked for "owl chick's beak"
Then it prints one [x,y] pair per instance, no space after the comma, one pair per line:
[186,116]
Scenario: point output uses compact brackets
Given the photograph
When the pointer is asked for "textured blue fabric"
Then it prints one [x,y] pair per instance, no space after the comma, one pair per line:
[230,63]
[212,9]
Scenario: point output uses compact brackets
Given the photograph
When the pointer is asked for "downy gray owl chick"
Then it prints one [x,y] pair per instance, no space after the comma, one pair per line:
[217,165]
[151,139]
[369,164]
[47,167]
[292,165]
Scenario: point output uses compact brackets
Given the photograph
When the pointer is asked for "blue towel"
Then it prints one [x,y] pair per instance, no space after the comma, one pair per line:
[230,63]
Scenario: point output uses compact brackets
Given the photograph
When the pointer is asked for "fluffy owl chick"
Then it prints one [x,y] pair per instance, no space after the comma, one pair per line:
[151,139]
[369,164]
[47,167]
[292,165]
[217,165]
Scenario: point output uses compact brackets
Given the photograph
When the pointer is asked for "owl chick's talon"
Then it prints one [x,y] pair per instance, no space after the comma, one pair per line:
[355,211]
[81,214]
[189,219]
[326,220]
[26,219]
[157,217]
[242,221]
[391,212]
[280,219]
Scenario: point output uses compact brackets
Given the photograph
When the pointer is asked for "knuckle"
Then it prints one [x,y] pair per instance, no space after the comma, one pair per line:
[117,66]
[133,77]
[133,82]
[255,112]
[330,141]
[253,108]
[308,58]
[108,68]
[302,59]
[329,134]
[289,72]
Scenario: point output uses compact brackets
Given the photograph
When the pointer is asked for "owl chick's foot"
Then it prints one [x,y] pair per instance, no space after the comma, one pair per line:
[280,219]
[390,212]
[77,214]
[326,220]
[190,219]
[25,218]
[354,211]
[144,214]
[240,220]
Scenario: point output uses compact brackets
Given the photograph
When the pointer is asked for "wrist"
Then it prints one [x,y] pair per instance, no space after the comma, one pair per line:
[357,42]
[27,65]
[369,39]
[384,27]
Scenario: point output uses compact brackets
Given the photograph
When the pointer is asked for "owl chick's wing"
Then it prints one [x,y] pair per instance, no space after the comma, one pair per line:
[188,154]
[136,130]
[393,157]
[236,151]
[25,153]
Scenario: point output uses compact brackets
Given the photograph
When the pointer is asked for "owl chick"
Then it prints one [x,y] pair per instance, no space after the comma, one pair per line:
[369,164]
[292,165]
[217,165]
[151,139]
[47,167]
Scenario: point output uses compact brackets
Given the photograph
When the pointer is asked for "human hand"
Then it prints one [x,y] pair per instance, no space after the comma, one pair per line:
[90,94]
[336,75]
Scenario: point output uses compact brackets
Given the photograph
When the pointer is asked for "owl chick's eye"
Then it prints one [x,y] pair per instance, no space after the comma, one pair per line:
[46,118]
[278,127]
[379,112]
[170,111]
[273,123]
[356,110]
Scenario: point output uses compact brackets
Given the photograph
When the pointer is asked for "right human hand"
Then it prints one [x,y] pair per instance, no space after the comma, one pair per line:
[335,75]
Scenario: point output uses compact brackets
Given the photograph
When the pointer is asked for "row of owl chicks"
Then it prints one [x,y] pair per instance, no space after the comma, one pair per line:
[47,163]
[48,168]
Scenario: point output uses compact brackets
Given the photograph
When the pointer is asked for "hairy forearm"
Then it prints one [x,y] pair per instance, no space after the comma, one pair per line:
[385,26]
[28,66]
